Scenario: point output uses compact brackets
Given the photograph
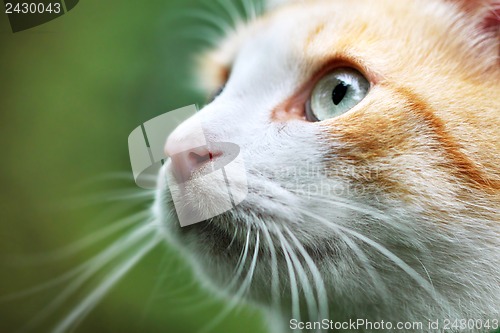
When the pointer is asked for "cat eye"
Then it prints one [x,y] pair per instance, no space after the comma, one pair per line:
[214,95]
[336,93]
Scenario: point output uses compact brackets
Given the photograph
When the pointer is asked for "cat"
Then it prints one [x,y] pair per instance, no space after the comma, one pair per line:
[370,134]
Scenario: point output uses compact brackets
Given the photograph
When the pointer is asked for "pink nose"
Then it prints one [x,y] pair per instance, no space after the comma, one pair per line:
[186,163]
[189,150]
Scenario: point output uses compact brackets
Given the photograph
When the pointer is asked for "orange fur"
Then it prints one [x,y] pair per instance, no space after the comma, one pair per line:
[448,82]
[423,145]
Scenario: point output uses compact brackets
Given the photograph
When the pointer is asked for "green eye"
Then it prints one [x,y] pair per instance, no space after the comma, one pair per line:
[336,93]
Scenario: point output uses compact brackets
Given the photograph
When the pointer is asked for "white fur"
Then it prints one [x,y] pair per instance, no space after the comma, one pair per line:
[382,258]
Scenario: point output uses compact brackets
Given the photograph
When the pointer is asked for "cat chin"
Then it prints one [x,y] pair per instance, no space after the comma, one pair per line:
[351,297]
[434,283]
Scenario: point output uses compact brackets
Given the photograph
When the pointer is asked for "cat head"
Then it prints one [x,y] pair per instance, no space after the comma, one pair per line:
[369,134]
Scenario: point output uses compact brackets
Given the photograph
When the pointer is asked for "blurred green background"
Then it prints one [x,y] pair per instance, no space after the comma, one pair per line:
[71,92]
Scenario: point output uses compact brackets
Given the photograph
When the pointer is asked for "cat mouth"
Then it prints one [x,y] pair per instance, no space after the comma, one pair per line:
[221,241]
[226,235]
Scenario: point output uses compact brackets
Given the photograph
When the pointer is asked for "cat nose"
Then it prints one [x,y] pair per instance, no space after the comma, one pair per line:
[188,151]
[186,163]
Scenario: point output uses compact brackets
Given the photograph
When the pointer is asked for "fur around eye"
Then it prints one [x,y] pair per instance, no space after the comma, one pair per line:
[216,93]
[336,93]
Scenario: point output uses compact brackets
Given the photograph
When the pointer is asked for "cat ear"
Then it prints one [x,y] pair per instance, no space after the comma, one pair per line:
[486,13]
[485,16]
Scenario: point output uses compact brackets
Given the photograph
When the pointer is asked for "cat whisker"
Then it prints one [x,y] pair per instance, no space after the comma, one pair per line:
[368,210]
[211,20]
[182,302]
[206,35]
[126,195]
[365,262]
[250,11]
[233,239]
[259,6]
[139,196]
[98,179]
[293,281]
[249,278]
[323,311]
[226,13]
[357,207]
[82,244]
[309,295]
[426,271]
[194,303]
[44,286]
[241,261]
[241,291]
[275,285]
[423,283]
[92,267]
[237,273]
[123,178]
[177,293]
[95,296]
[232,12]
[163,274]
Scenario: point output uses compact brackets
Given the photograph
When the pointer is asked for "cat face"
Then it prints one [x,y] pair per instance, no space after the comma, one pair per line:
[369,134]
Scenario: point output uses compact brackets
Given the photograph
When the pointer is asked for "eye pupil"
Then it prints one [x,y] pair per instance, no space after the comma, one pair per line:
[339,92]
[336,93]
